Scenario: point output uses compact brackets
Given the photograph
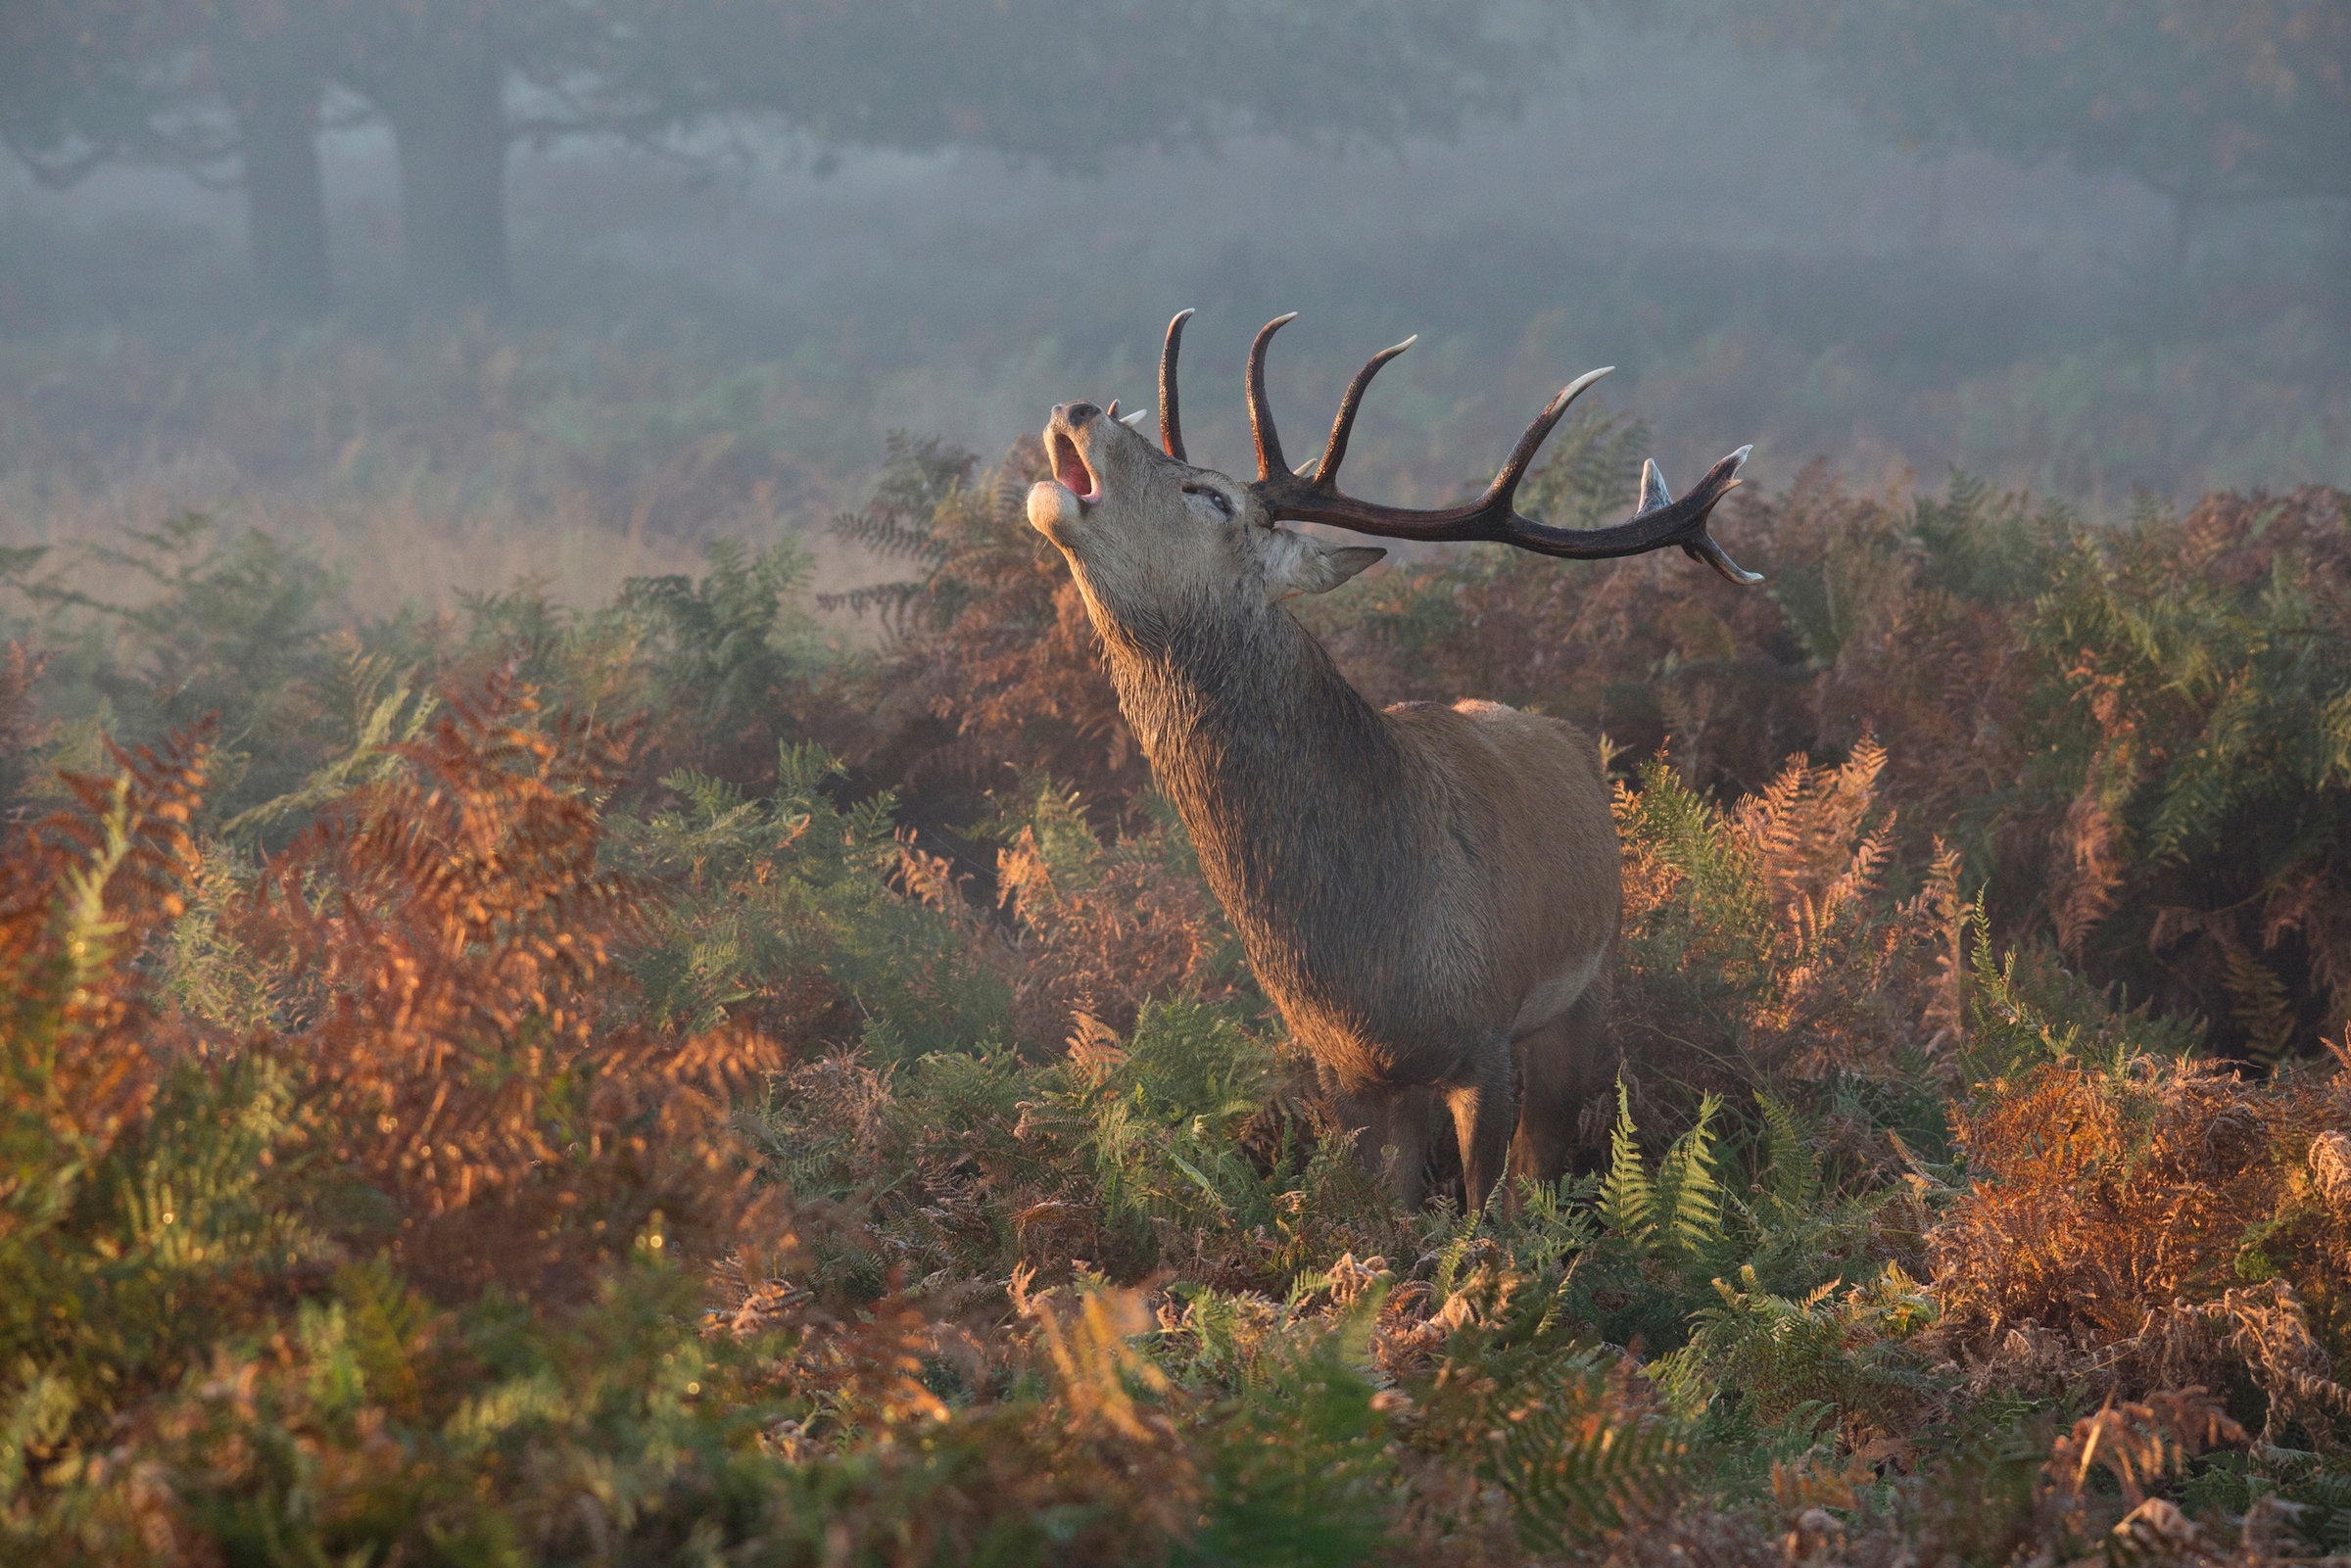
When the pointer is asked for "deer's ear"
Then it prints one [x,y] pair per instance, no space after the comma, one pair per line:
[1301,564]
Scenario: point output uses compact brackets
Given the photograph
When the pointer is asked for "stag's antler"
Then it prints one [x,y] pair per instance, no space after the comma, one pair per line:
[1171,428]
[1657,521]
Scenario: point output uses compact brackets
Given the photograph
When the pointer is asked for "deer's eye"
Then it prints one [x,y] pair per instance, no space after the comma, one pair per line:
[1214,496]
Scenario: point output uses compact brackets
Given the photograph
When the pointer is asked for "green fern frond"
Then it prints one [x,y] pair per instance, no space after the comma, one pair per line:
[801,767]
[2334,739]
[1457,1241]
[398,718]
[1688,1196]
[1554,1221]
[2263,1007]
[1792,1155]
[1582,1463]
[89,934]
[1627,1198]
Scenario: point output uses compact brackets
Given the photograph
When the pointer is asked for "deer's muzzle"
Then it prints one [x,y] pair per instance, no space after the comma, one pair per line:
[1070,467]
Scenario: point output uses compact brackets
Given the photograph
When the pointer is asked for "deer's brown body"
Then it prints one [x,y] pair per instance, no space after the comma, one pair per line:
[1429,894]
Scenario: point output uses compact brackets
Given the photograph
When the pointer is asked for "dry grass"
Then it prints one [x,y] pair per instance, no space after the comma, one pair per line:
[423,549]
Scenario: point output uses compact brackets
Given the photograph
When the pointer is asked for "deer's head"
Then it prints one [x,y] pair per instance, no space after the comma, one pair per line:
[1150,536]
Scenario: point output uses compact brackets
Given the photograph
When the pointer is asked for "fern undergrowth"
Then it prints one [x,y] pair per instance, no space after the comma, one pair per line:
[648,1085]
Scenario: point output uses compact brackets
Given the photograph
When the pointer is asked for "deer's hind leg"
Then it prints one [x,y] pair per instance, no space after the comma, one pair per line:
[1561,1066]
[1482,1119]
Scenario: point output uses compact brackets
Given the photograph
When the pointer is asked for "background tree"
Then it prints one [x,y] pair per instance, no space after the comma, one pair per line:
[231,87]
[228,90]
[2207,101]
[1060,81]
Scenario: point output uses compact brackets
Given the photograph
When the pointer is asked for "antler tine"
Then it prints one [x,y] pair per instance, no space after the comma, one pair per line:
[1334,450]
[1260,412]
[1660,522]
[1702,548]
[1171,429]
[1504,488]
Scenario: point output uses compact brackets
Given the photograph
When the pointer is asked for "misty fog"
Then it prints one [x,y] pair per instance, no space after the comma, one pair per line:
[1759,265]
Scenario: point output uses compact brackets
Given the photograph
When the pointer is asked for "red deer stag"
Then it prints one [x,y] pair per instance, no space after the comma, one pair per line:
[1429,894]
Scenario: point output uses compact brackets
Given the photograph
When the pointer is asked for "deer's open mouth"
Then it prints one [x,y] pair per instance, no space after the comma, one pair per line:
[1071,470]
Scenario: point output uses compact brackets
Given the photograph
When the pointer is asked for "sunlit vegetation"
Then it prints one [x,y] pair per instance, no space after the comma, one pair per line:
[648,1084]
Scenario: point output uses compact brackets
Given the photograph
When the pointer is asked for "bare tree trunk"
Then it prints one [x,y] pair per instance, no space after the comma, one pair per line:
[285,195]
[448,119]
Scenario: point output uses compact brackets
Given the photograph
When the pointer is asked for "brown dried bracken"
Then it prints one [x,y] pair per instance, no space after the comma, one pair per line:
[2106,1237]
[454,935]
[2330,1171]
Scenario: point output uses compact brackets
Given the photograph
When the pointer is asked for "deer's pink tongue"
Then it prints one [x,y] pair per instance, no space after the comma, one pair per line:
[1070,468]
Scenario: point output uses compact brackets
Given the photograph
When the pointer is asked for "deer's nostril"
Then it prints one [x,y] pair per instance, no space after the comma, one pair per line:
[1076,414]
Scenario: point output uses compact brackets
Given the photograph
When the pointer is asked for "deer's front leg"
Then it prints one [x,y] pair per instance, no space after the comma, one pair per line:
[1483,1119]
[1391,1128]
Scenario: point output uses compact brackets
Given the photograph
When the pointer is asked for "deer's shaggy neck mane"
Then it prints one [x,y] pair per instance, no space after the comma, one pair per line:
[1290,783]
